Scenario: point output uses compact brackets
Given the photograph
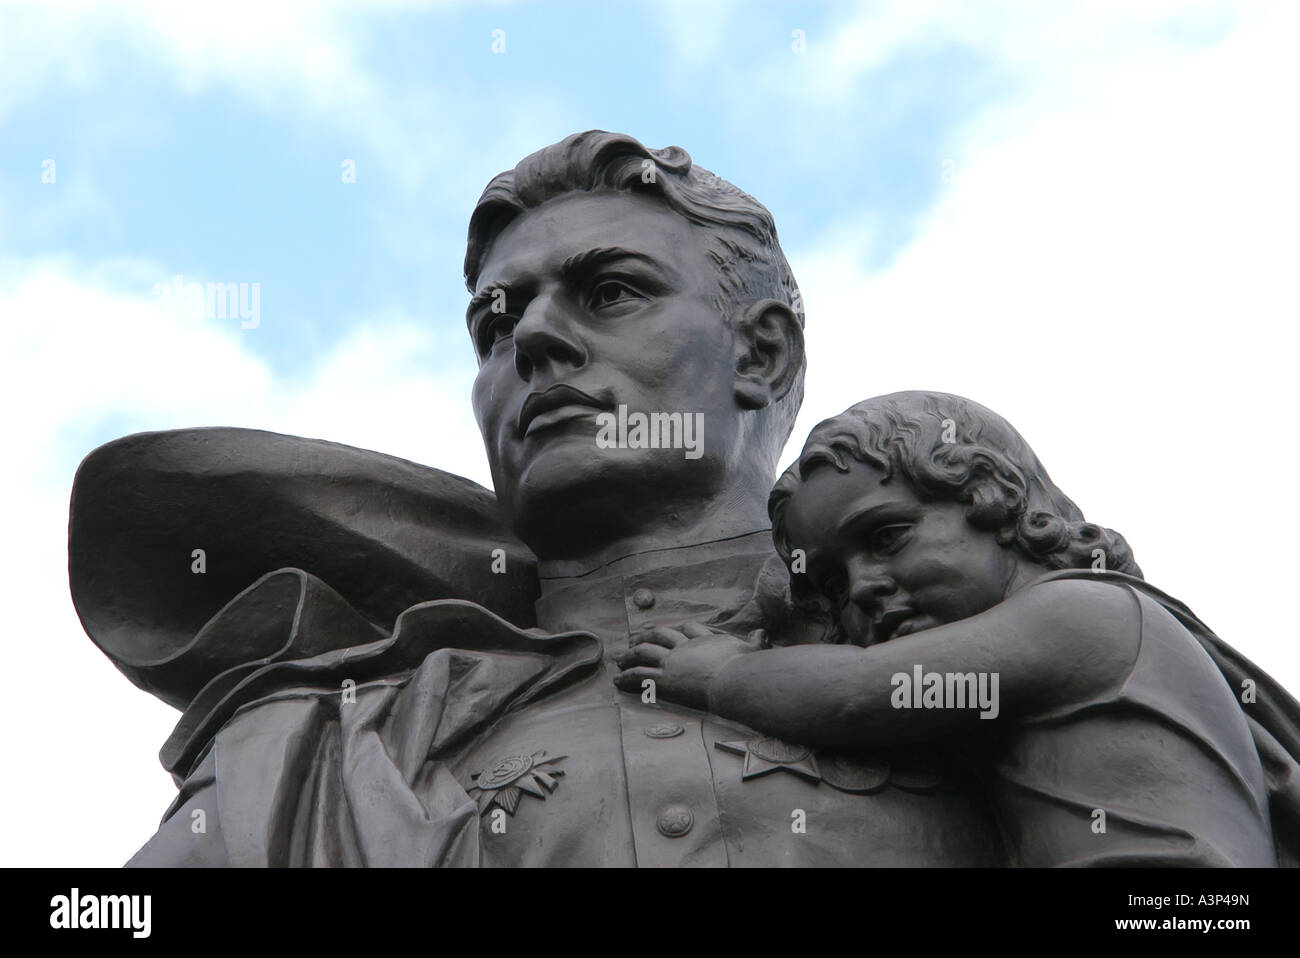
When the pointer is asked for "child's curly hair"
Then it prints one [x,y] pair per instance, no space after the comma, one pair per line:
[952,448]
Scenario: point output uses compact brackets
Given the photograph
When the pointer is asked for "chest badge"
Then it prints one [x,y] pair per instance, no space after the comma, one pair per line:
[766,755]
[503,783]
[914,768]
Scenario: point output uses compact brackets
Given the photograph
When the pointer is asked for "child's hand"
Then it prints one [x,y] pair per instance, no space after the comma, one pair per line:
[682,662]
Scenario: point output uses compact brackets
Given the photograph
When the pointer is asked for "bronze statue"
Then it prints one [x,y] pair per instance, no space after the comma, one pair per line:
[383,664]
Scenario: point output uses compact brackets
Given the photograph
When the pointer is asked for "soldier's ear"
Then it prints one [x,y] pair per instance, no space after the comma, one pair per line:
[769,353]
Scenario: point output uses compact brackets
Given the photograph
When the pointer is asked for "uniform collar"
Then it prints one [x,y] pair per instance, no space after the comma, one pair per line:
[705,582]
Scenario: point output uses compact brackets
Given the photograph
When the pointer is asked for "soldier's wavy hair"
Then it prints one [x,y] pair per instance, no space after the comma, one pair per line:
[950,448]
[742,244]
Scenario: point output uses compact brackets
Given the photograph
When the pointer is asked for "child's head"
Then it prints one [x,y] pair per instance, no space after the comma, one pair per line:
[919,508]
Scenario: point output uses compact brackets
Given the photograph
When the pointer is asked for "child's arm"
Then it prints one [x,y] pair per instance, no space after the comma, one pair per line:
[1050,645]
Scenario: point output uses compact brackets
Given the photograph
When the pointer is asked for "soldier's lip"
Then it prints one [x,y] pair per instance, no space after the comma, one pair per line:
[556,416]
[554,405]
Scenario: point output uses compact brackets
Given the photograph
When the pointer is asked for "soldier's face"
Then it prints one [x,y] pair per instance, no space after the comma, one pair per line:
[590,302]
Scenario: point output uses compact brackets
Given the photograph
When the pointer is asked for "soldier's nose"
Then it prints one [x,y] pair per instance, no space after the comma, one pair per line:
[546,336]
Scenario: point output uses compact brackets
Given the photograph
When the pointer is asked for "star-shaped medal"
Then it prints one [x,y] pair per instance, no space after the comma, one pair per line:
[504,782]
[915,768]
[765,755]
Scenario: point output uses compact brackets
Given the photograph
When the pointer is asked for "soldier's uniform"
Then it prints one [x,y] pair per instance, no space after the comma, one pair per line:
[655,784]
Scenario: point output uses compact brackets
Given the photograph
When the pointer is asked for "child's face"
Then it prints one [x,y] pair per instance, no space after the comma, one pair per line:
[891,563]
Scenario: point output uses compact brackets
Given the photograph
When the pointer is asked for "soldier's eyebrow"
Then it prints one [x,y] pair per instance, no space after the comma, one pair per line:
[483,296]
[581,265]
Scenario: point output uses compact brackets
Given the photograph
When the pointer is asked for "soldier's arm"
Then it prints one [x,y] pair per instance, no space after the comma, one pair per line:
[1048,645]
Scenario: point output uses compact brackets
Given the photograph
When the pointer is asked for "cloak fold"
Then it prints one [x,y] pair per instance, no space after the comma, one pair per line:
[342,758]
[325,643]
[384,532]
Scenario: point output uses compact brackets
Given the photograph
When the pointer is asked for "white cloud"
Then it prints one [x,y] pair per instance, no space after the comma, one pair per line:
[697,31]
[317,63]
[1116,278]
[374,390]
[1061,47]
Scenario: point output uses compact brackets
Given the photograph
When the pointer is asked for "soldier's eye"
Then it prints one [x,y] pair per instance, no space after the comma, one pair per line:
[495,330]
[501,328]
[611,292]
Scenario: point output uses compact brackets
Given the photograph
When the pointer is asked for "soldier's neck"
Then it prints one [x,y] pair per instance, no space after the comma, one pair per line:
[673,531]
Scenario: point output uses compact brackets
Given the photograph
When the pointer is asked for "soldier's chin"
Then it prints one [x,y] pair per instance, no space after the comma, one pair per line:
[575,483]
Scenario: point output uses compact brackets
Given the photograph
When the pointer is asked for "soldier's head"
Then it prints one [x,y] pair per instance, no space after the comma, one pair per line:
[607,275]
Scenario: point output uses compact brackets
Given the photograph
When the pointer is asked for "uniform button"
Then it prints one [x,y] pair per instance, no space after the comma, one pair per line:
[643,598]
[664,731]
[675,821]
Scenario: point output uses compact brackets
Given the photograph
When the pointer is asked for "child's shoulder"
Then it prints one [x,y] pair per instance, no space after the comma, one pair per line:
[1070,588]
[1077,605]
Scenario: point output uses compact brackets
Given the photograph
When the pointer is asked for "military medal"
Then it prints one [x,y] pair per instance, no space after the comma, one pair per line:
[766,755]
[857,773]
[504,782]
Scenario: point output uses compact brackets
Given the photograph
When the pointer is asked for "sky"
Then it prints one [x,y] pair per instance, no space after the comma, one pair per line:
[1080,215]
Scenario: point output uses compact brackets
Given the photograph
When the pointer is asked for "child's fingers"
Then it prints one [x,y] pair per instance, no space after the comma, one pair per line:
[630,680]
[658,635]
[693,630]
[643,654]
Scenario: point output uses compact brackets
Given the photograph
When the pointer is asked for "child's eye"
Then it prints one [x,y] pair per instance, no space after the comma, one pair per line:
[891,538]
[835,587]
